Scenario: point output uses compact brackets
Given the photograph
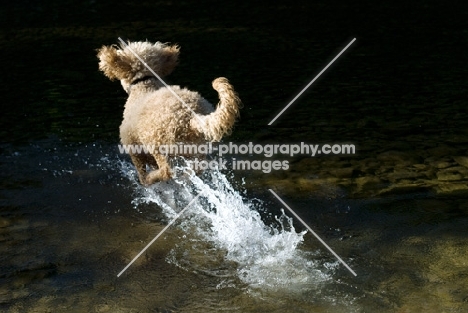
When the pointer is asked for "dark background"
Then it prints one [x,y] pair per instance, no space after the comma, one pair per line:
[397,210]
[404,74]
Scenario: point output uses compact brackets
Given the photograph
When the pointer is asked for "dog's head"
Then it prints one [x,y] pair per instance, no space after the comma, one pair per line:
[121,62]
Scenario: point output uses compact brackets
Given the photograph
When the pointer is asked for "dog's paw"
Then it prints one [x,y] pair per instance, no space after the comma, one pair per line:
[157,176]
[142,179]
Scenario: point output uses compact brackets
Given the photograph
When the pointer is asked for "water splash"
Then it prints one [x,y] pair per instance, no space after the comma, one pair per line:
[225,234]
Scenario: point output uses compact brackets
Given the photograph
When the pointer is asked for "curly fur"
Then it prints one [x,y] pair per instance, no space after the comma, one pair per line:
[153,115]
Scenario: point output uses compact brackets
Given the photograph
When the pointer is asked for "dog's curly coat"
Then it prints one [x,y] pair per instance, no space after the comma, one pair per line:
[153,116]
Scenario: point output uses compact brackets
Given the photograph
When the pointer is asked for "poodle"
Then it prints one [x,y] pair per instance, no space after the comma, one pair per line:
[153,115]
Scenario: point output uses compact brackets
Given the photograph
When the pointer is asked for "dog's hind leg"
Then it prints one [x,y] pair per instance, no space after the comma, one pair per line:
[140,161]
[162,173]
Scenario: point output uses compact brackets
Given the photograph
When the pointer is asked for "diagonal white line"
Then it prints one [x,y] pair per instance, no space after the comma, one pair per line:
[157,236]
[163,82]
[313,80]
[313,233]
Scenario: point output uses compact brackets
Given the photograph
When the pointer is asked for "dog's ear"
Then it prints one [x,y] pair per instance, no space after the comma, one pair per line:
[113,64]
[169,59]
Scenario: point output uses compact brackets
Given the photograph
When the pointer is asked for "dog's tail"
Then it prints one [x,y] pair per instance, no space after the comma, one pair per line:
[220,122]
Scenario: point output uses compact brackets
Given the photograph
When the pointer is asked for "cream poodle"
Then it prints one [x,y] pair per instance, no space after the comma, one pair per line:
[153,115]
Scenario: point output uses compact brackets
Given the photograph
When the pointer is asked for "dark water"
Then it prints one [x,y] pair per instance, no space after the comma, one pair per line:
[396,211]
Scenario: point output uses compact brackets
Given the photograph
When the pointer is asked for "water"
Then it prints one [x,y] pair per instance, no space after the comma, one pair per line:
[265,256]
[72,215]
[79,216]
[235,239]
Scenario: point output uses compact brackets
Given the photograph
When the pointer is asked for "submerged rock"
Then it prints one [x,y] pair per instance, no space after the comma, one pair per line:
[462,160]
